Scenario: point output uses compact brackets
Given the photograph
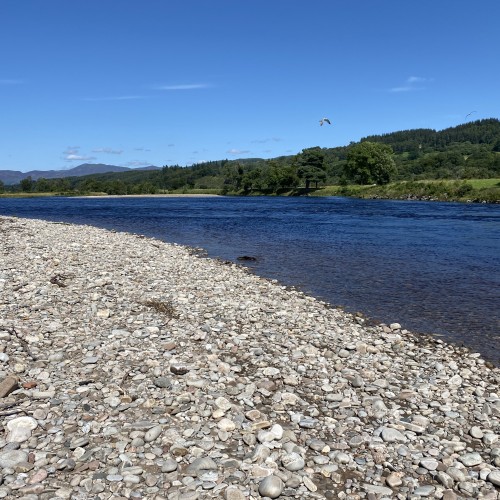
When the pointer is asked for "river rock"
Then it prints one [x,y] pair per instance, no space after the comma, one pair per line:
[10,458]
[471,459]
[390,435]
[20,429]
[293,462]
[271,486]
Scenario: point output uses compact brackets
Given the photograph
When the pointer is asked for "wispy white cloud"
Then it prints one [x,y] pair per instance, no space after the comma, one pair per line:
[417,79]
[141,149]
[108,151]
[412,83]
[184,86]
[234,151]
[75,157]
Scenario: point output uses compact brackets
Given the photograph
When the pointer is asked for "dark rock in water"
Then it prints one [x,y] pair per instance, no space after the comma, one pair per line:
[247,258]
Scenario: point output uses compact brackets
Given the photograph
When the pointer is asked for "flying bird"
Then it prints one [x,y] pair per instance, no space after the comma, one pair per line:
[468,114]
[323,120]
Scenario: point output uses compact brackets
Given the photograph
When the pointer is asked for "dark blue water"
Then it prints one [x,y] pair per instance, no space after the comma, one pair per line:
[433,267]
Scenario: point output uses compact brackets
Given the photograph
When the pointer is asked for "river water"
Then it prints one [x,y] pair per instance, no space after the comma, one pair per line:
[432,267]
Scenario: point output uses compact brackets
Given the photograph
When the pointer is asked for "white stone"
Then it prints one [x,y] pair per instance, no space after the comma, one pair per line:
[20,429]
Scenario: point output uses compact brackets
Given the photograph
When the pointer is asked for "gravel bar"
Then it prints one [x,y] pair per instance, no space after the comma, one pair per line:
[131,368]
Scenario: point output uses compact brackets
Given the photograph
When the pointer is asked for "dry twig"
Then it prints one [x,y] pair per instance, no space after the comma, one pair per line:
[23,343]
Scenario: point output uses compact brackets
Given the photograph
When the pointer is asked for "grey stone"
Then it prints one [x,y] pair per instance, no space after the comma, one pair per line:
[271,486]
[293,462]
[200,464]
[10,458]
[390,435]
[471,459]
[494,477]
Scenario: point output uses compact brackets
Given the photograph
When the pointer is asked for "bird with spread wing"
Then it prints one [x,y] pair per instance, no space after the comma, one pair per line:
[325,120]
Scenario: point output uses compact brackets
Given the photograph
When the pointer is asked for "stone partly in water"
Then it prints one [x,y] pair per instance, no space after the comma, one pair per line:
[225,385]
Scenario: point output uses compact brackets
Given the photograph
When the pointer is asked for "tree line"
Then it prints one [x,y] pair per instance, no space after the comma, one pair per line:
[471,150]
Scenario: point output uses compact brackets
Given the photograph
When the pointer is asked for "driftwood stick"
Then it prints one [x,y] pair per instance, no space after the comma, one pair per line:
[11,412]
[23,343]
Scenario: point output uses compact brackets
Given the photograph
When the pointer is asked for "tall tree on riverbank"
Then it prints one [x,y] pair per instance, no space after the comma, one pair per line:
[311,166]
[370,163]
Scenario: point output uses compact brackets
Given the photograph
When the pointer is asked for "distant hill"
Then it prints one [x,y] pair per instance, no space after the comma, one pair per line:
[9,177]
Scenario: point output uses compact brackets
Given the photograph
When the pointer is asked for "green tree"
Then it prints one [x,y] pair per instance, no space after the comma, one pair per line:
[26,184]
[253,179]
[61,185]
[233,176]
[280,176]
[370,163]
[42,185]
[311,166]
[2,187]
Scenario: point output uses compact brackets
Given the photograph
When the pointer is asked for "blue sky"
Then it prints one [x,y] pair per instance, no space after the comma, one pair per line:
[162,82]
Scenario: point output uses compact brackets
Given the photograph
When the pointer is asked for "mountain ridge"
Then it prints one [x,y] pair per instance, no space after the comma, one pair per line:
[9,177]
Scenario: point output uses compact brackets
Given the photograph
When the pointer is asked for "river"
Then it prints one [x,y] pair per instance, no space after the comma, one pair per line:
[432,267]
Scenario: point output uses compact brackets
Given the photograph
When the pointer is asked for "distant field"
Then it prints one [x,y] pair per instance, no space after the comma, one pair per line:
[484,183]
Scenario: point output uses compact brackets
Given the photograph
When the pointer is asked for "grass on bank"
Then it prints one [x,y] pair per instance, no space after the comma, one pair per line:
[478,190]
[470,190]
[28,195]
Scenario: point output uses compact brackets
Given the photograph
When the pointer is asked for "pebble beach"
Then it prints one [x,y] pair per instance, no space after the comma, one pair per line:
[132,368]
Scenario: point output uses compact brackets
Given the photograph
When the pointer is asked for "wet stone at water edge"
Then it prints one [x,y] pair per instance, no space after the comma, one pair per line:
[155,374]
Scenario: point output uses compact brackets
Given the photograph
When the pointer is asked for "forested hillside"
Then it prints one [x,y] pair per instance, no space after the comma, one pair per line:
[468,151]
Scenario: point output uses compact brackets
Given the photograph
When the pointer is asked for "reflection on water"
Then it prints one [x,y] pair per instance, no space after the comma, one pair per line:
[433,267]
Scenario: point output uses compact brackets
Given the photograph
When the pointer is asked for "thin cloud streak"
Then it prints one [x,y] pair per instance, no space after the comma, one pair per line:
[74,157]
[410,87]
[235,151]
[108,151]
[189,86]
[416,79]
